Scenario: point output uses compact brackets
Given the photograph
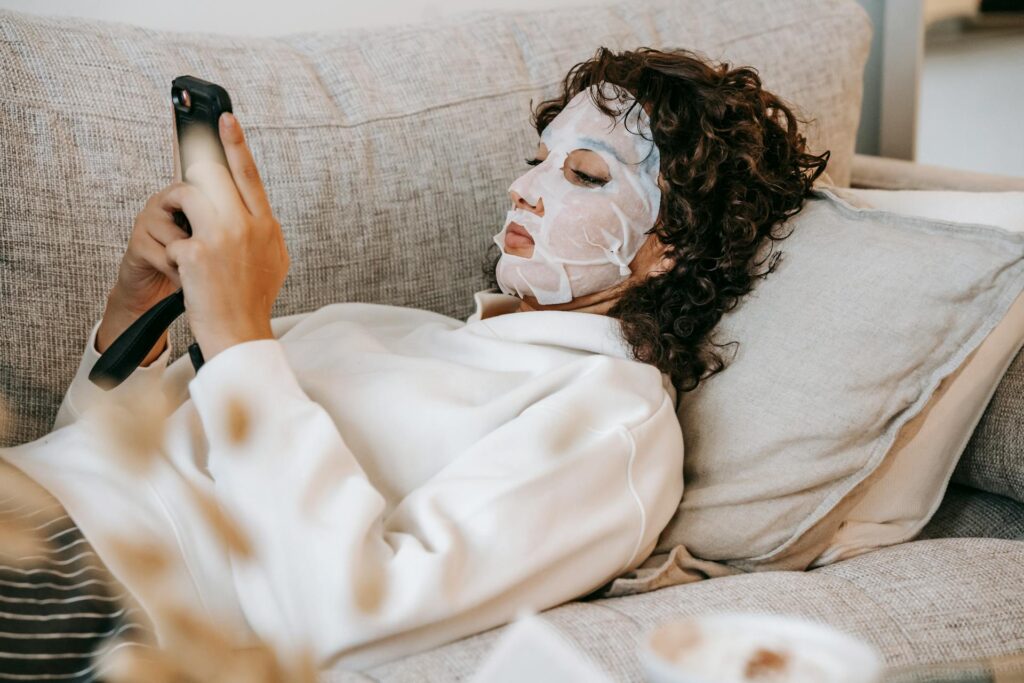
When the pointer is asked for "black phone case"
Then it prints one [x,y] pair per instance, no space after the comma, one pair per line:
[207,101]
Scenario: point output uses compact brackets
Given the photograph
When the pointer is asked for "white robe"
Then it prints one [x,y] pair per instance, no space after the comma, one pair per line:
[459,472]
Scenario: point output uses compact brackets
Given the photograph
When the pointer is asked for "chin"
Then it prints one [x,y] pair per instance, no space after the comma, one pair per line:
[533,303]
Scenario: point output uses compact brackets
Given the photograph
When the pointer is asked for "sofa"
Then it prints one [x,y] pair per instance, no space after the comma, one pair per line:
[369,139]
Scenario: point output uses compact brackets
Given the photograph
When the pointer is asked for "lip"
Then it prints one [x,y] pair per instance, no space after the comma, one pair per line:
[516,236]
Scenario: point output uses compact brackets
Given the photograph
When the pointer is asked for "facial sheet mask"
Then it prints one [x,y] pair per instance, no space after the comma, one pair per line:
[588,235]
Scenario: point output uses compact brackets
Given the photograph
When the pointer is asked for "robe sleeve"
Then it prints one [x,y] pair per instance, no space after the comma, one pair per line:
[542,510]
[83,393]
[172,379]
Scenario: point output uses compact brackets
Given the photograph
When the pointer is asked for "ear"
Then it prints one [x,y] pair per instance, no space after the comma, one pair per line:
[666,265]
[667,262]
[652,257]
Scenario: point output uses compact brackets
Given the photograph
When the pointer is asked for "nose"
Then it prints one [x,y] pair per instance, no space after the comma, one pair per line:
[520,203]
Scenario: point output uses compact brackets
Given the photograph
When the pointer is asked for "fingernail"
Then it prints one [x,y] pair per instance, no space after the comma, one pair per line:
[229,119]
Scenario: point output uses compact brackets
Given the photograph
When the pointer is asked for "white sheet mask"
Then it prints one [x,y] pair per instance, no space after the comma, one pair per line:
[588,235]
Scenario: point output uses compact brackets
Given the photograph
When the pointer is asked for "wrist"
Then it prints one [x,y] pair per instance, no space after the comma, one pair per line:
[118,317]
[158,350]
[120,304]
[212,344]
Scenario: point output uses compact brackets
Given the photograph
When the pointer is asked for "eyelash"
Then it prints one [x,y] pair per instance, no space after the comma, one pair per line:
[597,182]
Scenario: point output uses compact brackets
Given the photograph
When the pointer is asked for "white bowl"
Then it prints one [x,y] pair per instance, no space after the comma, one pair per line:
[744,647]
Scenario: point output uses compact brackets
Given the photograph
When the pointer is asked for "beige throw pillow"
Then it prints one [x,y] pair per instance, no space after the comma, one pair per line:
[839,350]
[900,502]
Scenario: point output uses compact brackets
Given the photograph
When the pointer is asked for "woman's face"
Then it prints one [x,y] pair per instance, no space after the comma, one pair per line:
[583,167]
[581,213]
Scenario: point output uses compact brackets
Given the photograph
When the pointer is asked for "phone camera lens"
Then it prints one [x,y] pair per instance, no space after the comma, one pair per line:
[182,99]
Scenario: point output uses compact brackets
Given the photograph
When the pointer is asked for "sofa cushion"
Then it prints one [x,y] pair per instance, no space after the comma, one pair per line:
[387,152]
[994,457]
[967,512]
[922,602]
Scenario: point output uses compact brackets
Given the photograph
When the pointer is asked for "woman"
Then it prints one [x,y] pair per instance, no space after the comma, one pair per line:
[396,478]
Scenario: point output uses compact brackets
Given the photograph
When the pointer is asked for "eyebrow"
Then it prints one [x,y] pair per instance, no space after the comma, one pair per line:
[604,146]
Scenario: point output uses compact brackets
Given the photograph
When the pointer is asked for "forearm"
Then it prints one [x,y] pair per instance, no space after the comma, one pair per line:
[83,393]
[116,319]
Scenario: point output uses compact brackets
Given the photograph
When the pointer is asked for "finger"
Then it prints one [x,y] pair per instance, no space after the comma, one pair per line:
[178,251]
[206,169]
[157,204]
[164,230]
[156,255]
[243,166]
[215,182]
[190,200]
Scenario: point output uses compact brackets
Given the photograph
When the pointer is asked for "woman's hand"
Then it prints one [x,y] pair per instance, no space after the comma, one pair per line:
[233,266]
[145,277]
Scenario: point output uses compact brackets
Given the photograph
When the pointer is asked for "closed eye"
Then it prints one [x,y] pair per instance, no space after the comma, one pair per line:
[587,179]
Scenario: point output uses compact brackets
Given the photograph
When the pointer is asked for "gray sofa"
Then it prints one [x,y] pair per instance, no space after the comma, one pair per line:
[387,154]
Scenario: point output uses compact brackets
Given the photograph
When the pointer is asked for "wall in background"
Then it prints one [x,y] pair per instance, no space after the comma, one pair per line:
[871,105]
[892,76]
[972,100]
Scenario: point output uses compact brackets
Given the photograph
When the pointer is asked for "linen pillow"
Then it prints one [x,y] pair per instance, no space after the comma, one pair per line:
[839,348]
[992,460]
[901,501]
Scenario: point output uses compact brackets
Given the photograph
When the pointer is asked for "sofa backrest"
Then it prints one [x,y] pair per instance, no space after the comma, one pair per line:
[386,152]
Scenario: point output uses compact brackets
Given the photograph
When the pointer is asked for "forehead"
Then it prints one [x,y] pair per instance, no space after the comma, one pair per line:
[581,125]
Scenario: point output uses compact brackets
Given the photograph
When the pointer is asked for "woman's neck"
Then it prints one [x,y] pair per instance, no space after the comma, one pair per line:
[599,303]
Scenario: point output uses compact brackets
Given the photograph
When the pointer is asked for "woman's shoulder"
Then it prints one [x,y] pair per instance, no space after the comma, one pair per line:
[613,390]
[357,312]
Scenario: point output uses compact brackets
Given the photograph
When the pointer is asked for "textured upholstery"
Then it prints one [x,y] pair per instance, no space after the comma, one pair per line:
[994,457]
[920,602]
[966,512]
[386,152]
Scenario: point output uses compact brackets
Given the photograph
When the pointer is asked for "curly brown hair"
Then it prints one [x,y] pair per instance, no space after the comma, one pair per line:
[733,167]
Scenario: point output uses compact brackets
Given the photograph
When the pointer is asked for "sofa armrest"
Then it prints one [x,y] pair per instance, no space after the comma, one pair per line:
[883,173]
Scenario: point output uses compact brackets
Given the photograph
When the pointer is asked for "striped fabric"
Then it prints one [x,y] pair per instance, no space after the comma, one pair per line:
[59,608]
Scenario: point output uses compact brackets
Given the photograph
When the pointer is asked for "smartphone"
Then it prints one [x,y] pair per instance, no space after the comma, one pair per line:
[197,106]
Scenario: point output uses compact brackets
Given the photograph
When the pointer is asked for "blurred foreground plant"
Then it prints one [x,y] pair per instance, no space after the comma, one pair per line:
[194,648]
